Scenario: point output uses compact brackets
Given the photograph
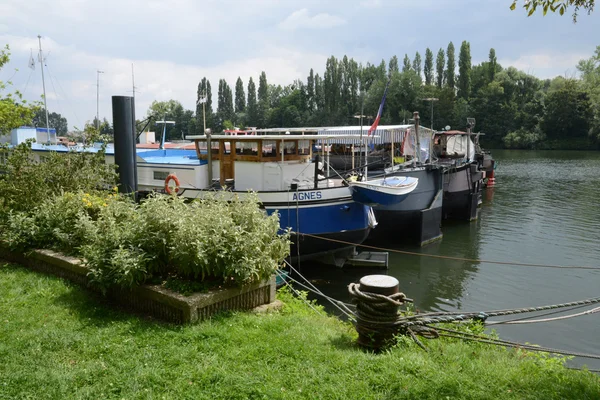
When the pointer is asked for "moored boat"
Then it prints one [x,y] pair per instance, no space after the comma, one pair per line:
[385,191]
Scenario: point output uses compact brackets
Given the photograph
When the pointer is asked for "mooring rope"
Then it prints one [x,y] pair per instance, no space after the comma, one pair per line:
[378,314]
[533,321]
[343,307]
[471,260]
[417,319]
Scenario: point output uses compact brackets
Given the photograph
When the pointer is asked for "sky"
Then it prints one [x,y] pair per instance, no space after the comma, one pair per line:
[173,44]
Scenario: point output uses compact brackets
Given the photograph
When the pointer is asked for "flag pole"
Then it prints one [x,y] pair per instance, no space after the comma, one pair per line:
[41,59]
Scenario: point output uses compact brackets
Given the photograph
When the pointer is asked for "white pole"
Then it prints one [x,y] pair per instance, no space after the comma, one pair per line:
[41,58]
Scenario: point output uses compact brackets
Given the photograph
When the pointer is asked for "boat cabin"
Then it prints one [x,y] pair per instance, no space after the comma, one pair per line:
[258,162]
[453,145]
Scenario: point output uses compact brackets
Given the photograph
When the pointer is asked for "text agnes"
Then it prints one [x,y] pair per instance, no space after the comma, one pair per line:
[300,196]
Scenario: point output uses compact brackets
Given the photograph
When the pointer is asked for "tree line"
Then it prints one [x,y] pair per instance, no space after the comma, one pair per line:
[513,108]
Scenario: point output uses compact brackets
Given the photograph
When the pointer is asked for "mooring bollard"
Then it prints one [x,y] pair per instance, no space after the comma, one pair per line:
[377,299]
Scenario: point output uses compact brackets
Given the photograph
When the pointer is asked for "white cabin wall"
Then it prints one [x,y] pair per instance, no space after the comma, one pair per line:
[249,175]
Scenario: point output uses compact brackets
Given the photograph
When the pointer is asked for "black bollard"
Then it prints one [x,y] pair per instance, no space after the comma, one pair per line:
[125,157]
[377,299]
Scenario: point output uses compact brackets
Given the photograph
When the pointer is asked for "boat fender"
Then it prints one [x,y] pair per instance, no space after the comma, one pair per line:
[172,177]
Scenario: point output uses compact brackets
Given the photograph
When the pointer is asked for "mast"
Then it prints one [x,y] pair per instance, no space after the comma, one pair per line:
[133,81]
[417,119]
[41,59]
[98,72]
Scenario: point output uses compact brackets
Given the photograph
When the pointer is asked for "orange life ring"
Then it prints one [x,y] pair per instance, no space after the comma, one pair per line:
[171,177]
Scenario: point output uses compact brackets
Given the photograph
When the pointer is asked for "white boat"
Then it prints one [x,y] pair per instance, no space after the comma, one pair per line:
[385,191]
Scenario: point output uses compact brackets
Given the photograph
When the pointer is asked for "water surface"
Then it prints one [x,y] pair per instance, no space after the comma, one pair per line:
[544,209]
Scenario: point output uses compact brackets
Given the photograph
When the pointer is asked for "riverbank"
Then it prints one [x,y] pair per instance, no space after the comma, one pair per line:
[60,341]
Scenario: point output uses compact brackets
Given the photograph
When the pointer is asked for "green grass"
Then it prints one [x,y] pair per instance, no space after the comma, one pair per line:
[58,341]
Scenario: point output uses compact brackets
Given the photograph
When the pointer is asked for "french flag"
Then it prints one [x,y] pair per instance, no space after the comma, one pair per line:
[373,127]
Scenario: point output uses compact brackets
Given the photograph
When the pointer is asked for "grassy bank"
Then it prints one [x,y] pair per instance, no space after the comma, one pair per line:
[58,341]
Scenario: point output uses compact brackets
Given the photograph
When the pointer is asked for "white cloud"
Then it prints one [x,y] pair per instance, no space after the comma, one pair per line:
[546,65]
[71,80]
[301,19]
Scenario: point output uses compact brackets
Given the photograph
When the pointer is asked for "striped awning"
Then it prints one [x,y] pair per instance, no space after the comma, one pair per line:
[383,135]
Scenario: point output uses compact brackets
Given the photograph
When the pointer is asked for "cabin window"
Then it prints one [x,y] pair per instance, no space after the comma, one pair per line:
[289,148]
[269,149]
[246,148]
[214,145]
[304,147]
[226,147]
[161,175]
[201,149]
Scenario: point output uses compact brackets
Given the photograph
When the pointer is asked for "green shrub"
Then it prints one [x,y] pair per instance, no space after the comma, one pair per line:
[232,241]
[523,139]
[208,240]
[27,183]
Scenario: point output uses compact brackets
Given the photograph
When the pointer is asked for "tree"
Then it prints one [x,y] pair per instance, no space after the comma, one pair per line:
[55,120]
[331,89]
[310,91]
[439,66]
[493,64]
[556,5]
[450,75]
[174,111]
[406,65]
[319,93]
[428,67]
[252,109]
[263,100]
[590,74]
[568,112]
[204,90]
[417,64]
[464,70]
[393,66]
[225,110]
[240,96]
[14,111]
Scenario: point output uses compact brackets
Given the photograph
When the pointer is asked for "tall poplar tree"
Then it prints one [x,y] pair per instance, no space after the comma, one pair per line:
[252,109]
[417,64]
[439,66]
[406,66]
[263,100]
[204,89]
[464,71]
[492,65]
[393,65]
[319,93]
[240,96]
[310,91]
[450,72]
[428,67]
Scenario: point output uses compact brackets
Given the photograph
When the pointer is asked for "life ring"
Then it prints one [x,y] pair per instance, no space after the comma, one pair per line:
[171,177]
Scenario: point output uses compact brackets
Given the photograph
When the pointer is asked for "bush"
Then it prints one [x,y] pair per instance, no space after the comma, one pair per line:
[26,182]
[55,205]
[523,139]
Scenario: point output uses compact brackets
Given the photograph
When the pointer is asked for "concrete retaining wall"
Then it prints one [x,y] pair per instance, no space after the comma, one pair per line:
[152,300]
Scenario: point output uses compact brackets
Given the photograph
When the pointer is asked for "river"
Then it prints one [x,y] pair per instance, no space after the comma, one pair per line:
[544,209]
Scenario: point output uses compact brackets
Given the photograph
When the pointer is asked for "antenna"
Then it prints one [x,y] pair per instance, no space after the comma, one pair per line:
[165,123]
[133,82]
[41,59]
[98,72]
